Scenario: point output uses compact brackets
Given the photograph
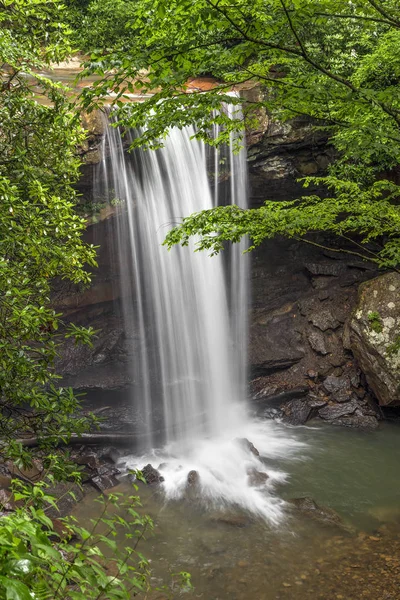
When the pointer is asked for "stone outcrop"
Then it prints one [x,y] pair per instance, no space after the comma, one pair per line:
[91,148]
[285,153]
[302,298]
[301,363]
[374,336]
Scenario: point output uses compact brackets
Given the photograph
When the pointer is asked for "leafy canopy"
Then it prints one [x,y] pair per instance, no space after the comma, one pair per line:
[334,61]
[40,234]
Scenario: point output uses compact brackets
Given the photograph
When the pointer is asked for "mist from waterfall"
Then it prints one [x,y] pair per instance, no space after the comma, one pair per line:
[188,312]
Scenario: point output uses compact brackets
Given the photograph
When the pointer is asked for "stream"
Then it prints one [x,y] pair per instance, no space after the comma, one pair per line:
[233,554]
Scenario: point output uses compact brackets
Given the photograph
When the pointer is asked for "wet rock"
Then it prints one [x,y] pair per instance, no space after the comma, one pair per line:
[296,412]
[275,344]
[316,402]
[359,420]
[67,495]
[245,443]
[321,513]
[104,482]
[5,481]
[88,459]
[32,473]
[60,530]
[232,519]
[312,374]
[317,342]
[193,478]
[6,502]
[321,283]
[256,478]
[324,319]
[334,384]
[338,387]
[332,269]
[110,454]
[323,294]
[151,475]
[105,478]
[275,396]
[374,336]
[335,411]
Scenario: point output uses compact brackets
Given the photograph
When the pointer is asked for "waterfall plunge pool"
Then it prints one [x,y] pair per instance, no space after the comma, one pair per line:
[233,554]
[239,541]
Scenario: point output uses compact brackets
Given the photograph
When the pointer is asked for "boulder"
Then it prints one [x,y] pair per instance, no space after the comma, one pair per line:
[359,420]
[151,475]
[274,343]
[317,342]
[256,478]
[296,412]
[193,478]
[335,411]
[245,443]
[105,478]
[67,494]
[320,513]
[338,387]
[374,334]
[324,319]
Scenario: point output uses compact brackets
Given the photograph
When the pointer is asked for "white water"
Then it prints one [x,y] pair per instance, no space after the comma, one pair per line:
[188,313]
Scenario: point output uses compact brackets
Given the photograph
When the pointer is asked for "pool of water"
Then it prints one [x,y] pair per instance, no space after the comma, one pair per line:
[233,554]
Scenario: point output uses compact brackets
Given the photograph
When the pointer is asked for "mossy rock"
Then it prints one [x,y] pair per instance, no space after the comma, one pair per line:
[374,332]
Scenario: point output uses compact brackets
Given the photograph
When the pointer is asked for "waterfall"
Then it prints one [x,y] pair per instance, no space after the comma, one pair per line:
[185,316]
[190,360]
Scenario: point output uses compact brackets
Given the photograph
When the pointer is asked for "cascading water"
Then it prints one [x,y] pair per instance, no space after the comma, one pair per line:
[188,314]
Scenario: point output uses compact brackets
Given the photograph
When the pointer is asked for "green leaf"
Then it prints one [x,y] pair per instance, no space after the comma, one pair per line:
[15,590]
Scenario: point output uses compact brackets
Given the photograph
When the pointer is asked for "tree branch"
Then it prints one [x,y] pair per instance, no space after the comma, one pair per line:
[383,12]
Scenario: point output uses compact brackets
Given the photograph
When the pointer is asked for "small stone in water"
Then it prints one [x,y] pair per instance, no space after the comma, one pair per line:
[256,478]
[151,475]
[243,563]
[248,445]
[193,478]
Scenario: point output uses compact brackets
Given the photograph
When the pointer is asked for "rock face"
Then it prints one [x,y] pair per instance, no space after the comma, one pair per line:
[301,364]
[283,154]
[374,333]
[302,298]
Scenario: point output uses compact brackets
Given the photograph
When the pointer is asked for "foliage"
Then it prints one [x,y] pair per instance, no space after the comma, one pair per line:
[49,560]
[375,321]
[40,239]
[332,61]
[40,234]
[100,24]
[394,347]
[352,210]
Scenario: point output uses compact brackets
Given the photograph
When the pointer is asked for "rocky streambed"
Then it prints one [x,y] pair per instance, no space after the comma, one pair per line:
[340,538]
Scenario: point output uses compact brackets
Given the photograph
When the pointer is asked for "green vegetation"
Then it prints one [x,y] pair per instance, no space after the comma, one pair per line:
[41,560]
[374,319]
[40,239]
[40,234]
[394,348]
[334,62]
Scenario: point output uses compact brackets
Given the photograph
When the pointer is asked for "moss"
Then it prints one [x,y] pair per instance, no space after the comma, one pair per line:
[394,347]
[375,322]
